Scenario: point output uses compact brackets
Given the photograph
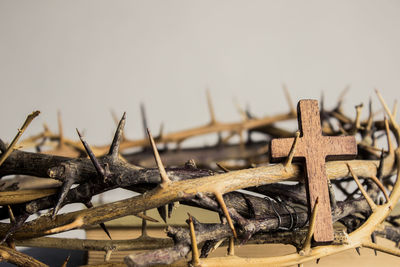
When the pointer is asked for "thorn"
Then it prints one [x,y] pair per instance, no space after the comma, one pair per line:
[382,188]
[211,108]
[14,142]
[231,247]
[386,108]
[373,239]
[365,194]
[102,225]
[116,121]
[195,250]
[357,123]
[394,110]
[311,227]
[144,226]
[60,129]
[370,116]
[114,148]
[107,257]
[289,159]
[144,119]
[161,132]
[146,217]
[241,111]
[358,251]
[389,141]
[222,204]
[19,221]
[11,214]
[163,174]
[100,170]
[170,209]
[163,212]
[289,99]
[63,191]
[341,96]
[318,260]
[65,263]
[222,167]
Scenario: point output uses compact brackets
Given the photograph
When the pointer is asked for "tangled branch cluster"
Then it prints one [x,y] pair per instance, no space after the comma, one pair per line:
[281,216]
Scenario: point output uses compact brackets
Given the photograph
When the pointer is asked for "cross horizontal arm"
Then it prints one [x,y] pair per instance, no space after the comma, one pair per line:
[280,148]
[340,147]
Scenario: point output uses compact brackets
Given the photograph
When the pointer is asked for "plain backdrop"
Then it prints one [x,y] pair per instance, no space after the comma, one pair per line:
[85,58]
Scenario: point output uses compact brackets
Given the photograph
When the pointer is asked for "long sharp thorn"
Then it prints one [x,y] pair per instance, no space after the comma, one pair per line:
[394,110]
[373,239]
[231,247]
[14,142]
[222,204]
[114,148]
[66,186]
[381,187]
[195,250]
[116,121]
[386,108]
[65,263]
[318,260]
[292,151]
[102,225]
[389,141]
[342,95]
[146,217]
[358,251]
[289,99]
[311,227]
[370,117]
[211,108]
[222,167]
[91,155]
[163,174]
[371,203]
[163,212]
[60,129]
[11,214]
[144,119]
[19,221]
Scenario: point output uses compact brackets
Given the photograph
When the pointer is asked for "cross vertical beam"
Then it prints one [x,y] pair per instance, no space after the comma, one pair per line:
[315,149]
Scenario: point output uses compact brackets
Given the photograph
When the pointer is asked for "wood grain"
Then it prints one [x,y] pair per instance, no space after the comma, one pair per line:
[315,149]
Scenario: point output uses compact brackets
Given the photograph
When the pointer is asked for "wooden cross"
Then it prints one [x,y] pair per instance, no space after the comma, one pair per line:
[316,148]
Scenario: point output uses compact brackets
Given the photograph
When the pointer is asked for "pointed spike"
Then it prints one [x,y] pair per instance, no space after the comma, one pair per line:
[394,110]
[370,116]
[318,260]
[114,148]
[231,247]
[211,108]
[63,191]
[373,239]
[107,257]
[163,174]
[163,212]
[170,209]
[389,141]
[102,225]
[144,118]
[60,129]
[222,167]
[195,250]
[91,155]
[289,99]
[11,214]
[65,263]
[19,221]
[222,204]
[144,226]
[358,251]
[289,159]
[342,95]
[381,187]
[371,203]
[311,227]
[386,108]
